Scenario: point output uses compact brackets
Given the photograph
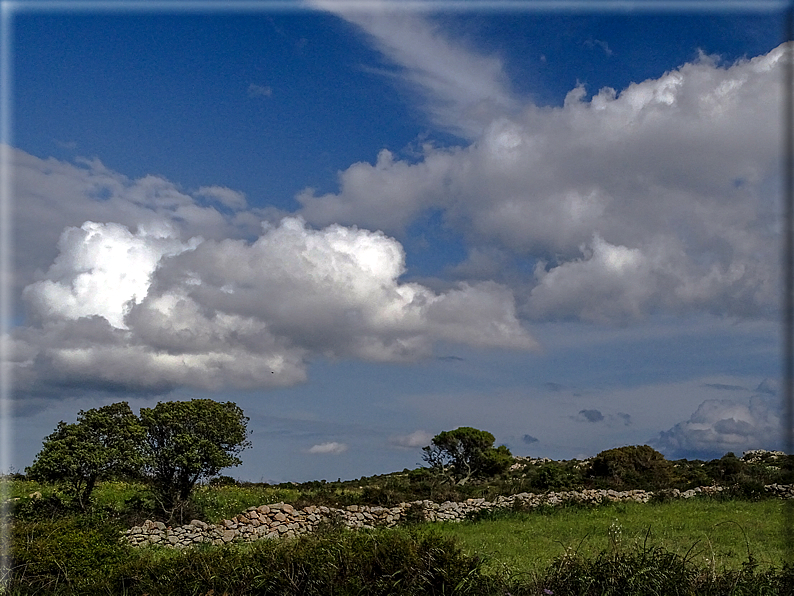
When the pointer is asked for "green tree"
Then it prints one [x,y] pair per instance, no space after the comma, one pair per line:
[103,443]
[464,453]
[187,441]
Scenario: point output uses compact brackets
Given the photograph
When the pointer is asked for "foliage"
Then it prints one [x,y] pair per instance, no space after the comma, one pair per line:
[495,461]
[553,476]
[638,466]
[102,444]
[65,555]
[653,570]
[727,469]
[47,507]
[187,441]
[398,562]
[465,453]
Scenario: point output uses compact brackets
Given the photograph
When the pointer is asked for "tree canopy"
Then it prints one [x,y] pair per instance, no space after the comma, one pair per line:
[187,441]
[104,442]
[464,453]
[174,444]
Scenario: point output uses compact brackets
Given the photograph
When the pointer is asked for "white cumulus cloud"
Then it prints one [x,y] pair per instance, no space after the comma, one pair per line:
[418,438]
[149,311]
[721,425]
[51,195]
[102,269]
[331,448]
[660,197]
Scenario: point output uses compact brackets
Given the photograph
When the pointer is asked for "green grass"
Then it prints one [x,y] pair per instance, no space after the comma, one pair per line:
[219,503]
[716,534]
[20,489]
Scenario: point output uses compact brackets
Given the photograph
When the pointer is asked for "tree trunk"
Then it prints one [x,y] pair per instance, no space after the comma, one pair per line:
[84,497]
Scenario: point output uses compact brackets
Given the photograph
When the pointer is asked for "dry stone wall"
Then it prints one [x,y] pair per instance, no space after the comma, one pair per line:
[282,520]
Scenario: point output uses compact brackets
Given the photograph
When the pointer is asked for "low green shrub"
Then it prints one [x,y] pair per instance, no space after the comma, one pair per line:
[555,477]
[394,562]
[634,466]
[64,556]
[655,571]
[48,507]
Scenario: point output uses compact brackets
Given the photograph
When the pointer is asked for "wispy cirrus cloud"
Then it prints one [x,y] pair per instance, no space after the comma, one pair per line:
[462,90]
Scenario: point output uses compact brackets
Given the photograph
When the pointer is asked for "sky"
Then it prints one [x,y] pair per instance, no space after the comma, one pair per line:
[366,224]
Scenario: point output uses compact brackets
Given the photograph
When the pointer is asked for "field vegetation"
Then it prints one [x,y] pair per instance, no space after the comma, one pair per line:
[731,544]
[66,540]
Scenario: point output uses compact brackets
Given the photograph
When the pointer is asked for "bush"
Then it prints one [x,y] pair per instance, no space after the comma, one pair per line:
[394,562]
[656,571]
[632,466]
[64,556]
[224,481]
[726,470]
[644,571]
[49,507]
[552,476]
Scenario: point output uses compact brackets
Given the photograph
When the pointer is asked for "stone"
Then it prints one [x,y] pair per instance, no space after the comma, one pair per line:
[288,522]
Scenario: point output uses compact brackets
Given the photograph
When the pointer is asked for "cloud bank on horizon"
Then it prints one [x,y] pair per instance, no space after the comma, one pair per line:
[660,198]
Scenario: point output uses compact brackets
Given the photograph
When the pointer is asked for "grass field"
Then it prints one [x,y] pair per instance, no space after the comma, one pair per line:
[718,535]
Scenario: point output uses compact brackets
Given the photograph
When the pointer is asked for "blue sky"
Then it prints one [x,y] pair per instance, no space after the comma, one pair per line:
[366,225]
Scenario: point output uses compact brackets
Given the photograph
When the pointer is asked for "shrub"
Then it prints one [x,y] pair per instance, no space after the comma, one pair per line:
[63,556]
[633,466]
[394,562]
[726,470]
[552,476]
[49,507]
[224,481]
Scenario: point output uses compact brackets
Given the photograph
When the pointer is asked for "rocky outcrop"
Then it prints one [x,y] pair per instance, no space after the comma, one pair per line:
[282,520]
